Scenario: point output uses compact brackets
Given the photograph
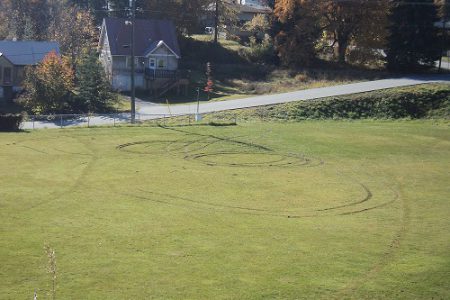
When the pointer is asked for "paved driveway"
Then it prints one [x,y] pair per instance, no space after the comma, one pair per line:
[151,110]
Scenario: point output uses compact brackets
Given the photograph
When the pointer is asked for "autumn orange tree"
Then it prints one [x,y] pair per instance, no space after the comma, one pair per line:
[48,86]
[297,31]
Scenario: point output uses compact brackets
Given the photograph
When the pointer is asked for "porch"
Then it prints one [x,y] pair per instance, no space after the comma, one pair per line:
[152,74]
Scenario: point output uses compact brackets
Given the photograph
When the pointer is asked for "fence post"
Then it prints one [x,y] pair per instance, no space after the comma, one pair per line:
[60,121]
[89,119]
[33,122]
[114,120]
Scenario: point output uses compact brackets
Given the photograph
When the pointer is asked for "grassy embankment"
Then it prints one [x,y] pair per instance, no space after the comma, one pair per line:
[311,210]
[414,102]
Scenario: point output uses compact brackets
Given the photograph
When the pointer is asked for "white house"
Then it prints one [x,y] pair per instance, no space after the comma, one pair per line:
[156,52]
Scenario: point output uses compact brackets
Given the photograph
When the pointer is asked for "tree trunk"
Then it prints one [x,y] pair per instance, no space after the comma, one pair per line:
[342,39]
[216,23]
[342,49]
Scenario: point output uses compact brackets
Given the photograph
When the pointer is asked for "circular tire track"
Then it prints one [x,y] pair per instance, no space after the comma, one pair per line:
[267,158]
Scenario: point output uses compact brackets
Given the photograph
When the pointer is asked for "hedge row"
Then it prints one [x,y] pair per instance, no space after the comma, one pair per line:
[411,103]
[10,122]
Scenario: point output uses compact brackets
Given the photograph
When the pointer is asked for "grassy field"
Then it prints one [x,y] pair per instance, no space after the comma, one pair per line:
[311,210]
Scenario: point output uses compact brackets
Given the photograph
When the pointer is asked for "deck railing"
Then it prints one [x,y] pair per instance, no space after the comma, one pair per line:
[155,74]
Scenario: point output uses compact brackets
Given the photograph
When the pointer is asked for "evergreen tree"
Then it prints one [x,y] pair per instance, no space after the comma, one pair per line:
[413,40]
[93,90]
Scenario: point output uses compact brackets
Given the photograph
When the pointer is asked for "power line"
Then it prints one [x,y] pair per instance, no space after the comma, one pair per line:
[26,54]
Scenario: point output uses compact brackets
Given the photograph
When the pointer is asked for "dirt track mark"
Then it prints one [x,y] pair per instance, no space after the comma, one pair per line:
[389,255]
[243,211]
[365,199]
[256,211]
[34,149]
[221,139]
[204,142]
[74,186]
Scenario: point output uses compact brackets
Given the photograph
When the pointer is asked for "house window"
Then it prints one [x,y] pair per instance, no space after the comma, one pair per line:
[7,76]
[152,63]
[161,64]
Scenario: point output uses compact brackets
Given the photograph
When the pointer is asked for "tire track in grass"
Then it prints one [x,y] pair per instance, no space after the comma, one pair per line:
[283,159]
[256,211]
[389,254]
[280,162]
[243,211]
[76,183]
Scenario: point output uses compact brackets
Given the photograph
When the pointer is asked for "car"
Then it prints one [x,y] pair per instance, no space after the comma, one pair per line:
[209,30]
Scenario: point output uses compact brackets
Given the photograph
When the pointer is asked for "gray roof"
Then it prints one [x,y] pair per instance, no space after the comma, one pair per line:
[24,53]
[148,33]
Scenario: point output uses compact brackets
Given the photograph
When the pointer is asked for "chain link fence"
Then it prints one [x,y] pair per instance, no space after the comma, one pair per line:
[123,119]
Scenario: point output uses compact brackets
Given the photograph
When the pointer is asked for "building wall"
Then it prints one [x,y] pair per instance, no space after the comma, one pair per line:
[164,54]
[121,70]
[19,75]
[169,62]
[5,79]
[6,85]
[122,82]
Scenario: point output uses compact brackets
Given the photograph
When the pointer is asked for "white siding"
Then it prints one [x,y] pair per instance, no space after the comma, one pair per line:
[165,54]
[122,82]
[170,62]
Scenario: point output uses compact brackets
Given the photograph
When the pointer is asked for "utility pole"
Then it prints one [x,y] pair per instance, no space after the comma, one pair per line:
[444,32]
[445,28]
[198,117]
[133,90]
[216,23]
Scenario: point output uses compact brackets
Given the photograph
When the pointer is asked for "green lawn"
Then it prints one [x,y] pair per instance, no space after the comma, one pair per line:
[311,210]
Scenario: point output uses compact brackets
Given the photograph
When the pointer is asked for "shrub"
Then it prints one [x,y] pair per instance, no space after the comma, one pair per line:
[260,52]
[10,122]
[413,103]
[409,103]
